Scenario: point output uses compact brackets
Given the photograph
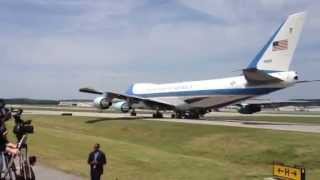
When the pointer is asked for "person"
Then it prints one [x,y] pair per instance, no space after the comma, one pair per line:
[5,113]
[96,160]
[6,147]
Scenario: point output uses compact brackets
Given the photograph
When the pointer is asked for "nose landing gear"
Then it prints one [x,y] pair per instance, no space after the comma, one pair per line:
[133,113]
[157,114]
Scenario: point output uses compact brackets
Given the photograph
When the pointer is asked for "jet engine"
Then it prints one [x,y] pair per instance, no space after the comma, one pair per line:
[122,106]
[102,102]
[249,109]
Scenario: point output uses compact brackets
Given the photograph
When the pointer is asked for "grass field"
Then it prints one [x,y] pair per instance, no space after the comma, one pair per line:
[144,150]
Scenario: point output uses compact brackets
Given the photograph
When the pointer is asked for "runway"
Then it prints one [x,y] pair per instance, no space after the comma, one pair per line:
[297,127]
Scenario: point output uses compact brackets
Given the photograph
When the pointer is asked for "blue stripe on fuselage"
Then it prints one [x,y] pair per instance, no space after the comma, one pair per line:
[240,91]
[258,57]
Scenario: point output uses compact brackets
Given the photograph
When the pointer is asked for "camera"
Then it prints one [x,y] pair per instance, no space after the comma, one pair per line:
[21,127]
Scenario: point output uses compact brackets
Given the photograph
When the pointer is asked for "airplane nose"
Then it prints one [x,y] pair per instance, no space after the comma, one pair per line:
[296,78]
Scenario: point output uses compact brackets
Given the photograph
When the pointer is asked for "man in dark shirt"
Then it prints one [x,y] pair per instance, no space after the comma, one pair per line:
[5,145]
[5,113]
[96,160]
[3,139]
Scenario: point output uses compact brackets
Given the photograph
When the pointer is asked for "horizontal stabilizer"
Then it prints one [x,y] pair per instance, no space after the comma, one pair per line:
[255,76]
[308,81]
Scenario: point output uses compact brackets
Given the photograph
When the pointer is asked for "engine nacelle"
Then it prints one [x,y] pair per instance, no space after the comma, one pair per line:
[122,106]
[249,109]
[102,102]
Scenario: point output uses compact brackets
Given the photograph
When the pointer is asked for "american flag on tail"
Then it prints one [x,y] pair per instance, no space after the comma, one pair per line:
[280,45]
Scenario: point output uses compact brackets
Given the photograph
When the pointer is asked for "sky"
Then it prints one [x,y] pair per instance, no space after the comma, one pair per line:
[51,48]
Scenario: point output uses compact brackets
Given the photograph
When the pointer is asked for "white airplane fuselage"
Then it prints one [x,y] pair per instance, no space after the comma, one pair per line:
[209,93]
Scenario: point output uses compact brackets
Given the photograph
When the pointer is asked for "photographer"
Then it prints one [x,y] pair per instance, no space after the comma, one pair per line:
[5,113]
[5,145]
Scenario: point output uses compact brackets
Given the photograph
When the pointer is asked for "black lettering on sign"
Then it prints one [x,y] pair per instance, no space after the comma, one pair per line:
[287,172]
[294,173]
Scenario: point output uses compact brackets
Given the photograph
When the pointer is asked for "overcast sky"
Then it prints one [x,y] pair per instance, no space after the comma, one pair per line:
[50,48]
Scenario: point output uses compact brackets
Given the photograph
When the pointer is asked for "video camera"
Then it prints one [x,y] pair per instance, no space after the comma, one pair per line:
[21,127]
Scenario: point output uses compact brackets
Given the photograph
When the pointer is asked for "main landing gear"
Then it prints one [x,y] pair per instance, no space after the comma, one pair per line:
[157,114]
[186,115]
[133,113]
[175,115]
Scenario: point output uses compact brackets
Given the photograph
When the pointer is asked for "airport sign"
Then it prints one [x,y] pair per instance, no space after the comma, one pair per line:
[288,172]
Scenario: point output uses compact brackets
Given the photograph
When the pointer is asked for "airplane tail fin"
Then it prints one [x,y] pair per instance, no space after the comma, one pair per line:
[277,54]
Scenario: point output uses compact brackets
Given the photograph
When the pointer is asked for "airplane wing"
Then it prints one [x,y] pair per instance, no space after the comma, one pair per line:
[136,99]
[90,90]
[130,98]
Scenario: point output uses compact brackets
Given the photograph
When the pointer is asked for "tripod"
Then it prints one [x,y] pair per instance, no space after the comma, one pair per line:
[24,162]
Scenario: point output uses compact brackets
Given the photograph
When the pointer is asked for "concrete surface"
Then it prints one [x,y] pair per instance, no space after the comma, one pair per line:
[46,173]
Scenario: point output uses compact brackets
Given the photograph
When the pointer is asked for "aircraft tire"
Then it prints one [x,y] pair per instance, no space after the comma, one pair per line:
[157,115]
[133,113]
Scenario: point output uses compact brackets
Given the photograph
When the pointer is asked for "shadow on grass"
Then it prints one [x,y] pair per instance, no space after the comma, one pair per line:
[97,120]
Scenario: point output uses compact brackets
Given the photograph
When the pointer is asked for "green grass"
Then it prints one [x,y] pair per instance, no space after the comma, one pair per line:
[144,150]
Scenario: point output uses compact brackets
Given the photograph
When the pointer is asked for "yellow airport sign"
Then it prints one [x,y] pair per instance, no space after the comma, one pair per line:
[288,173]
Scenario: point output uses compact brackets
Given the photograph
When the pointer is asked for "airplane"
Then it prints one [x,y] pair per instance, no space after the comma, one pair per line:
[268,72]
